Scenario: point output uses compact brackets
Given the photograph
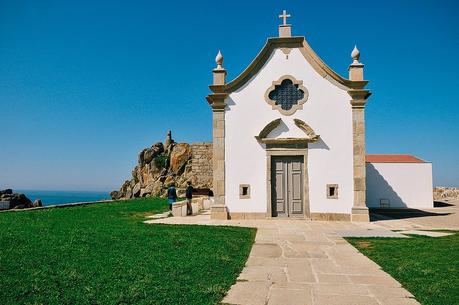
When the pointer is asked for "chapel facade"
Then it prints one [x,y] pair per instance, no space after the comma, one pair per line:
[289,136]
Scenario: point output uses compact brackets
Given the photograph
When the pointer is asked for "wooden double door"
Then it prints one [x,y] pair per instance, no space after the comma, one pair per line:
[287,186]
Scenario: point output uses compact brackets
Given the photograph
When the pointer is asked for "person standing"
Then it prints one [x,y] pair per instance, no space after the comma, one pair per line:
[189,197]
[171,195]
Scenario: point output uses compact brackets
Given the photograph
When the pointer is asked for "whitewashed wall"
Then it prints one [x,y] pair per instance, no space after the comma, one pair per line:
[406,185]
[327,111]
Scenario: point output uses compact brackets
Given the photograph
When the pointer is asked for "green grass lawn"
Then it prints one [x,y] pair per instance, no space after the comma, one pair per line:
[428,267]
[104,254]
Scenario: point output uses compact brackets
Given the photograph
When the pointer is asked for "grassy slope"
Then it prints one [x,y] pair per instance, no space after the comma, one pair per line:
[104,254]
[427,267]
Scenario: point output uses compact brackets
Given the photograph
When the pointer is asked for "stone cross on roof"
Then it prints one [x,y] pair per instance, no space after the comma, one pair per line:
[284,17]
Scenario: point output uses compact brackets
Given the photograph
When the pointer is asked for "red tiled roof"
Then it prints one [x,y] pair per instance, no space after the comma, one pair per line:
[393,159]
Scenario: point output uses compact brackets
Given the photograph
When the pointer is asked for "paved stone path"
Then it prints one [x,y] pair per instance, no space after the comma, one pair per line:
[306,262]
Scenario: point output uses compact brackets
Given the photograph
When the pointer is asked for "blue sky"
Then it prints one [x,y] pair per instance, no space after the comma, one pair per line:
[85,85]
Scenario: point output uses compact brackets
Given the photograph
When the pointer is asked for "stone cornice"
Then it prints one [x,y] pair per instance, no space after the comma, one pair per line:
[217,88]
[285,140]
[326,72]
[359,97]
[217,101]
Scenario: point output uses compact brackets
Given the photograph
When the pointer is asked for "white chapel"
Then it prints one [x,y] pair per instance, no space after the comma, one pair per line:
[289,140]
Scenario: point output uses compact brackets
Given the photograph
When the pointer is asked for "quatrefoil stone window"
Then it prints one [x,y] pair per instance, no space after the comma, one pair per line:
[287,95]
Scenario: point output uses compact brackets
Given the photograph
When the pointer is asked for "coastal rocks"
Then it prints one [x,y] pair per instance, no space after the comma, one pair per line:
[442,193]
[6,192]
[162,164]
[12,200]
[37,203]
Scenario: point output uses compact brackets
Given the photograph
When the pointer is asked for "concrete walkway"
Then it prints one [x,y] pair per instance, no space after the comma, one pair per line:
[306,262]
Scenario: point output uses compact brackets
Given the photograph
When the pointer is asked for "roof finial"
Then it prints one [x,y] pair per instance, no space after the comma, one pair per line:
[284,17]
[355,55]
[356,67]
[219,72]
[219,60]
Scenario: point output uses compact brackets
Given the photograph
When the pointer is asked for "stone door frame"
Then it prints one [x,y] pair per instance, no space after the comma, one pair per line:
[298,150]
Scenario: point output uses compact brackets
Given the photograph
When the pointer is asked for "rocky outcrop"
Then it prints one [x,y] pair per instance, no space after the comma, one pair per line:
[162,164]
[442,193]
[12,200]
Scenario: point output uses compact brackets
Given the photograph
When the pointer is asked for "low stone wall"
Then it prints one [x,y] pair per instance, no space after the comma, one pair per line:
[443,193]
[64,205]
[201,162]
[199,203]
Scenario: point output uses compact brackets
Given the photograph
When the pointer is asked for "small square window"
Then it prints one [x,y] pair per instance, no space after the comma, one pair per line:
[332,191]
[244,191]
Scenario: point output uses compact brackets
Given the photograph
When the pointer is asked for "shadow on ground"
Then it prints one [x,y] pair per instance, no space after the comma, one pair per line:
[442,204]
[388,214]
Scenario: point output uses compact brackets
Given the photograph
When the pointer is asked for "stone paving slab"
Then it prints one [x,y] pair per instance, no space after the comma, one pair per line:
[371,233]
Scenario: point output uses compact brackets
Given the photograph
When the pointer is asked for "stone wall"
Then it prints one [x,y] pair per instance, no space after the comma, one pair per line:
[201,163]
[442,193]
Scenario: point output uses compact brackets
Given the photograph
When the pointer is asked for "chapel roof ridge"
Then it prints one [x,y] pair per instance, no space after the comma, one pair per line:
[300,42]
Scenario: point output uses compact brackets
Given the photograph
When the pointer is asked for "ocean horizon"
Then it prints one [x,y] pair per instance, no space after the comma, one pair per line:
[49,197]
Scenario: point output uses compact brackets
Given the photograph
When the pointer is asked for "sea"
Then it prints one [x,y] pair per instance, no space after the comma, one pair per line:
[61,197]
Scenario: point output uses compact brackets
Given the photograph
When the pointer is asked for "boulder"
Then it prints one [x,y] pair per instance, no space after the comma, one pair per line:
[6,196]
[6,192]
[168,181]
[147,174]
[141,157]
[157,190]
[147,190]
[37,203]
[136,176]
[150,153]
[180,155]
[19,201]
[116,195]
[136,190]
[132,183]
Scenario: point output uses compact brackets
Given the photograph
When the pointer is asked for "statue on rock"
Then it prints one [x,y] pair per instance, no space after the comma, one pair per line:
[169,140]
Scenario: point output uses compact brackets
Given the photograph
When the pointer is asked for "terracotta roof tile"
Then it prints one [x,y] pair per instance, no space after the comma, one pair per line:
[393,159]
